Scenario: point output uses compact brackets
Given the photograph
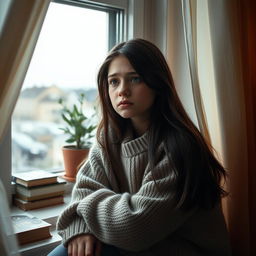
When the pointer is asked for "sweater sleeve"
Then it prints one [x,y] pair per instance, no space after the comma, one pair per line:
[90,178]
[134,222]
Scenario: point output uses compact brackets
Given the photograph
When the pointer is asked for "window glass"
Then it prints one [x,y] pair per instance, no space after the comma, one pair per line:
[72,44]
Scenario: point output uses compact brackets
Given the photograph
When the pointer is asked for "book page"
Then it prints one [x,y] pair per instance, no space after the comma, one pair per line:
[25,222]
[34,175]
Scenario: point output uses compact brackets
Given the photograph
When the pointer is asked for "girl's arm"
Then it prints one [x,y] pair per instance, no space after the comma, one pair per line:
[90,178]
[132,221]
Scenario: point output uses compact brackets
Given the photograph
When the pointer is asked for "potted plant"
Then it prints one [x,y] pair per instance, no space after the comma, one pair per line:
[79,135]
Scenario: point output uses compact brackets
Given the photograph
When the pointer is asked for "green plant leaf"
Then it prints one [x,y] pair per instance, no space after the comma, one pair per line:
[79,132]
[66,119]
[70,140]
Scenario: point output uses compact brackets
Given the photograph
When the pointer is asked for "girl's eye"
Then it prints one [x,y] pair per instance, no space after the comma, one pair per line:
[113,82]
[136,80]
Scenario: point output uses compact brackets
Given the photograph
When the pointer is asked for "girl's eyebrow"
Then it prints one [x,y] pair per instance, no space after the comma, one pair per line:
[127,74]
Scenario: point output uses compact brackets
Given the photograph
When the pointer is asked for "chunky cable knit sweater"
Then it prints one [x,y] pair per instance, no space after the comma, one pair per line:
[140,219]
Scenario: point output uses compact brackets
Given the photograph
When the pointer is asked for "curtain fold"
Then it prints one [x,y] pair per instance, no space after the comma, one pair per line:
[190,35]
[17,42]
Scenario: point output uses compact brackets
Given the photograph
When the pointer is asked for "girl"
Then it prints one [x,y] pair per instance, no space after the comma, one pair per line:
[151,183]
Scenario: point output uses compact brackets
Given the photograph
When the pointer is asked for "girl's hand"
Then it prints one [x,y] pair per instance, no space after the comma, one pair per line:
[84,245]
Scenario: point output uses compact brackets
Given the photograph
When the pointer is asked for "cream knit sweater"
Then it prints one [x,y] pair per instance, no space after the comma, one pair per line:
[140,219]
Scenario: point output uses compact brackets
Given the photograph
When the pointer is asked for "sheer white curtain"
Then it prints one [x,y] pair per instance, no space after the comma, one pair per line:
[177,57]
[189,18]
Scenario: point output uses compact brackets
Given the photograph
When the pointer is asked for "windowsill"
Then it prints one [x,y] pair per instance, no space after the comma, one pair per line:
[50,215]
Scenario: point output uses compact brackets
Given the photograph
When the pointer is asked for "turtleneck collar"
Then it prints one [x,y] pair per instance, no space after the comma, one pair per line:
[133,146]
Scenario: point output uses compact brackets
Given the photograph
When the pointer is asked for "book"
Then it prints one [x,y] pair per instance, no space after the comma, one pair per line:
[28,228]
[36,198]
[40,192]
[31,205]
[34,178]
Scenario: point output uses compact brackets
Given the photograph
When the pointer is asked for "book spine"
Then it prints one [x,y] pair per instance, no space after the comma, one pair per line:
[35,198]
[39,203]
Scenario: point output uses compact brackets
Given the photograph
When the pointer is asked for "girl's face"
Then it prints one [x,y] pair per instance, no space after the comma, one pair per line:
[129,95]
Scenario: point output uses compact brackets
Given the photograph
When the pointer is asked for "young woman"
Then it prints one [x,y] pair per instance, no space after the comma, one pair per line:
[151,185]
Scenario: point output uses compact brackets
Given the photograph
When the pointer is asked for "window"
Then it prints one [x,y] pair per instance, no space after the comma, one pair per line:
[73,42]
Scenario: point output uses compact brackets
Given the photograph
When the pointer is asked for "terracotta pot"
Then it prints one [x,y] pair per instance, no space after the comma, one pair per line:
[73,157]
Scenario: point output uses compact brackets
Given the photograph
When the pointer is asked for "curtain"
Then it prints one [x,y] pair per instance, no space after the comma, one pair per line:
[177,58]
[190,36]
[19,33]
[232,26]
[219,42]
[247,35]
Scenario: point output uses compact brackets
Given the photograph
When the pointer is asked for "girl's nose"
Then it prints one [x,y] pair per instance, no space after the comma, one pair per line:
[124,89]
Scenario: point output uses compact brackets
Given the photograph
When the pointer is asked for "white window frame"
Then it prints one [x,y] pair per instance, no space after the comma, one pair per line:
[142,19]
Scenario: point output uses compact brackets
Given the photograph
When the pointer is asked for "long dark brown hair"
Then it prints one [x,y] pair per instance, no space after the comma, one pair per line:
[196,172]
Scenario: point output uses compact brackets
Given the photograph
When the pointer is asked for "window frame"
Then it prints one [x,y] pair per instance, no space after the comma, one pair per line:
[116,16]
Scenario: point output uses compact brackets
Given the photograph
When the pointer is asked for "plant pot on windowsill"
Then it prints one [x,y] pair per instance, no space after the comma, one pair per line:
[80,131]
[73,158]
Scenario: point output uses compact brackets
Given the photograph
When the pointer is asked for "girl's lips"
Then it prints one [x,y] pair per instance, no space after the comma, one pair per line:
[125,103]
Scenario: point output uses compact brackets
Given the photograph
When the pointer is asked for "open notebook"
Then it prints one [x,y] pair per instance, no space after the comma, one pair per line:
[8,242]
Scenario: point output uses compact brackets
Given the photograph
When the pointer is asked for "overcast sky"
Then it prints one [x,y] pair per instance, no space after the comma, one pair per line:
[71,46]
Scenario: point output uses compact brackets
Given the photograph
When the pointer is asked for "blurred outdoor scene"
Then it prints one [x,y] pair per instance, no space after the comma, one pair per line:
[65,63]
[36,137]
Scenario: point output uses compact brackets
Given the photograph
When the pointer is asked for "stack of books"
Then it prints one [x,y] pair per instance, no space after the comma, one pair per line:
[28,228]
[37,189]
